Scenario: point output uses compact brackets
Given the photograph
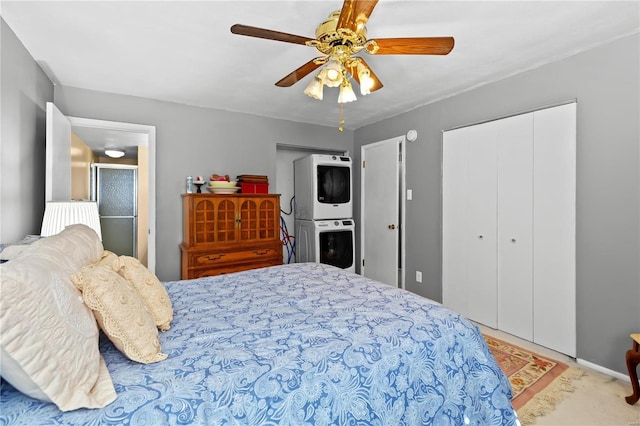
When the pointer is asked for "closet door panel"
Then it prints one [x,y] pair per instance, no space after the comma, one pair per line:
[554,216]
[482,222]
[454,220]
[515,233]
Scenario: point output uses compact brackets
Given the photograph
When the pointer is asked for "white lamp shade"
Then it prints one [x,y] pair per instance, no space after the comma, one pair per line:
[314,89]
[366,83]
[59,214]
[364,77]
[346,93]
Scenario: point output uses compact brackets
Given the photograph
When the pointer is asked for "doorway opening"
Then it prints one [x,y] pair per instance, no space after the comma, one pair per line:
[74,143]
[285,156]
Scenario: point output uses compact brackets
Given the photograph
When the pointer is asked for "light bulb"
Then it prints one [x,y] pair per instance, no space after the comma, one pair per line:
[331,75]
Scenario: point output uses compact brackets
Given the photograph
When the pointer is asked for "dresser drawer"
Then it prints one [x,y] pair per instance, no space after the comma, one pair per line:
[198,259]
[230,268]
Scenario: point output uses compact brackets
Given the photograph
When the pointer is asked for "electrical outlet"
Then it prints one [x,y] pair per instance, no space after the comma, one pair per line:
[419,276]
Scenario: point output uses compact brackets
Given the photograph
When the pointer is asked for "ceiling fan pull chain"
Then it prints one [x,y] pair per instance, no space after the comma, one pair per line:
[341,122]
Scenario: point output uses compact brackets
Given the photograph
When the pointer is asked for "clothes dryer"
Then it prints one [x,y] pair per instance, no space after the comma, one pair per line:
[326,241]
[323,187]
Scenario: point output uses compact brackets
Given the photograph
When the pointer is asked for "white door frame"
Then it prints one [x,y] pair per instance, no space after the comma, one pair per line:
[150,132]
[402,201]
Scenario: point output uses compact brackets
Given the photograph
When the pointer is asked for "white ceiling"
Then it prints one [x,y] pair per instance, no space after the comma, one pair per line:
[183,51]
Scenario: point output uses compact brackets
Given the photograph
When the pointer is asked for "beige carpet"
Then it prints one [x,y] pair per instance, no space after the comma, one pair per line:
[539,383]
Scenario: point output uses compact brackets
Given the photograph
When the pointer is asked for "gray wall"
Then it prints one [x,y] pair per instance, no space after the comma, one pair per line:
[25,90]
[605,82]
[197,141]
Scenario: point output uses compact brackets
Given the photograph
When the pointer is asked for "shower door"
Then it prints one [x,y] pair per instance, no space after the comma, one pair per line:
[115,189]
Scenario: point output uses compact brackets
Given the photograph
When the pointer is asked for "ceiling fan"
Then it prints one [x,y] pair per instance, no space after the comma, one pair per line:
[342,36]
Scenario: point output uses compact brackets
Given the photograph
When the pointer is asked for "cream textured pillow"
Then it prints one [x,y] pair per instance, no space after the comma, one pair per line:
[79,243]
[111,260]
[153,293]
[48,337]
[120,312]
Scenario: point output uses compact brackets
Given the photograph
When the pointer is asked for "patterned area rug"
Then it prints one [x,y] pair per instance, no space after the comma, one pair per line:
[539,383]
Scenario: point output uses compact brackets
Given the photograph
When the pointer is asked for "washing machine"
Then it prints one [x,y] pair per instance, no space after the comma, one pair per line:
[326,241]
[322,186]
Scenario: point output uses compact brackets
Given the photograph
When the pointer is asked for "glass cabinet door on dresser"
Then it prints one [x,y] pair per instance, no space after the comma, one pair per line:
[229,233]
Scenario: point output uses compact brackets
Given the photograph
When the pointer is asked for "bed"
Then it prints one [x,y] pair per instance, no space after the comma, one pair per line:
[297,344]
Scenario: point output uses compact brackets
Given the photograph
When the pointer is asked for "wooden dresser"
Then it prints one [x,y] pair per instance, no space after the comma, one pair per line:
[229,233]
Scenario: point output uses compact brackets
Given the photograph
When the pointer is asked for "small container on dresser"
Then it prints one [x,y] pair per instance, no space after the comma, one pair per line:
[229,233]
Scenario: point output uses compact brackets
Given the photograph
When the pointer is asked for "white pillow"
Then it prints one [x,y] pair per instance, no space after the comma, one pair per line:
[79,244]
[13,251]
[36,299]
[49,337]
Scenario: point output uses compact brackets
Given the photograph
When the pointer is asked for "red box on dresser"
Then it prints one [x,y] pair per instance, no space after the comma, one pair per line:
[253,188]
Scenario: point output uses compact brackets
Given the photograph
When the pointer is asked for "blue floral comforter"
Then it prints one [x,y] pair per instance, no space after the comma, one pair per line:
[298,344]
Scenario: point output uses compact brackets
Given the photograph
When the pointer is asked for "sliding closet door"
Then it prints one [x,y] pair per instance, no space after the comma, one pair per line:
[554,216]
[481,211]
[454,220]
[515,225]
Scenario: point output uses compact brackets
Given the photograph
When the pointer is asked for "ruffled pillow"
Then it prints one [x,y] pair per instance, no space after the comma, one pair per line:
[120,312]
[153,293]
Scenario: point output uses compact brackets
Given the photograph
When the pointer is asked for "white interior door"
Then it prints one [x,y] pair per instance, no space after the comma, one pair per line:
[58,156]
[481,211]
[381,210]
[515,225]
[554,215]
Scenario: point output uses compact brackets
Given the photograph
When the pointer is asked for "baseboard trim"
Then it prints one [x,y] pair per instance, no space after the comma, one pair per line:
[604,370]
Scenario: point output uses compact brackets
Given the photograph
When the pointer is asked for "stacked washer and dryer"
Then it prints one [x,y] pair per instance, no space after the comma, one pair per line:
[325,230]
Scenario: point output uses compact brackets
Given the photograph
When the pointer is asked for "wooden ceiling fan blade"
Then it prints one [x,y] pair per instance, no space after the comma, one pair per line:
[297,75]
[246,30]
[410,46]
[353,70]
[355,14]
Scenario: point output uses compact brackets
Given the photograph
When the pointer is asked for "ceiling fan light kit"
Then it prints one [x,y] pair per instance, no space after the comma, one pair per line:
[339,39]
